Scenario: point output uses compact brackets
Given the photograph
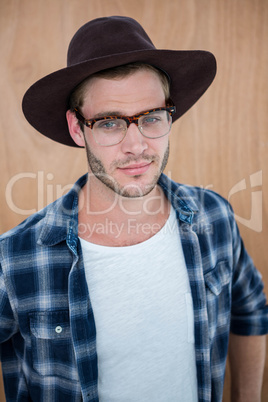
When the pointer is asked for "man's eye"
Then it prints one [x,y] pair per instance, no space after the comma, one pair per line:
[108,124]
[151,120]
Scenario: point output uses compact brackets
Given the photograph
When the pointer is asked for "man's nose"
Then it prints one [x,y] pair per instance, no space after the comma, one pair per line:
[134,142]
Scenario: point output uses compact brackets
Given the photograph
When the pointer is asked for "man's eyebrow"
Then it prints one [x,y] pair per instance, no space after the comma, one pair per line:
[116,113]
[108,113]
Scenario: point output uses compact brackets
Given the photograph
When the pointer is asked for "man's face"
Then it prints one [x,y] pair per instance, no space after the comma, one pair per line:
[132,167]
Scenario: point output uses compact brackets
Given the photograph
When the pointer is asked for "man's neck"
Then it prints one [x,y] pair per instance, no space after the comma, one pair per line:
[114,220]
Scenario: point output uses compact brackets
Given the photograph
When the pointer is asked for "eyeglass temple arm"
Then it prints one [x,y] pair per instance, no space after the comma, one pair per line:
[81,118]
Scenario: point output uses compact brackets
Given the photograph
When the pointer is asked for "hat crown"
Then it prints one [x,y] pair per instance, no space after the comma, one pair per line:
[107,36]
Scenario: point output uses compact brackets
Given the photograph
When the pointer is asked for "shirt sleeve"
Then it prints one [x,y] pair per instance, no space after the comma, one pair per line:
[249,314]
[8,324]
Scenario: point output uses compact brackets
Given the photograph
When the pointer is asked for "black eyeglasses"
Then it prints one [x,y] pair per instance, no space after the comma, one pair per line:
[111,130]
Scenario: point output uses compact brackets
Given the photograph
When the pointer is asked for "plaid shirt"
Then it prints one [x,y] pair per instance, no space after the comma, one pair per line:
[47,329]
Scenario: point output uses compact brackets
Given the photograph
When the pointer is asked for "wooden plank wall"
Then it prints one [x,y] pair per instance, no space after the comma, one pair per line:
[220,144]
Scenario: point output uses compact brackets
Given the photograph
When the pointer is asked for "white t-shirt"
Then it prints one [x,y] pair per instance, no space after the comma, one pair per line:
[143,312]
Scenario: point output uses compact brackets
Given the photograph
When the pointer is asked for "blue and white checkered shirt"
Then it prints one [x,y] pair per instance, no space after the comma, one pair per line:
[47,329]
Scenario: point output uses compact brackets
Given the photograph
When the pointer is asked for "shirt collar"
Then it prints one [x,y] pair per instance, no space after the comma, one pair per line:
[61,218]
[180,198]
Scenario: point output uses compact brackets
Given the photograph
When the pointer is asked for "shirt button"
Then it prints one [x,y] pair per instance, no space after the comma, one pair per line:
[58,329]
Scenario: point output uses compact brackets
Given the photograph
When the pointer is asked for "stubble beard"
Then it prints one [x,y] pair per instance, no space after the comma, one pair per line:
[128,191]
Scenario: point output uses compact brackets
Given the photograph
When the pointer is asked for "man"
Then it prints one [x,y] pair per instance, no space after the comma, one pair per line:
[126,288]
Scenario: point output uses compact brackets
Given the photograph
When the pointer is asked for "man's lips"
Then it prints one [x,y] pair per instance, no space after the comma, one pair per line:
[135,168]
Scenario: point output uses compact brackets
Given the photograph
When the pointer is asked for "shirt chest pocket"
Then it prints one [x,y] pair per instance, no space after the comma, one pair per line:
[51,345]
[218,292]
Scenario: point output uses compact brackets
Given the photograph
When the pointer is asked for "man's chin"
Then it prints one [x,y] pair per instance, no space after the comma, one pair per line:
[135,194]
[137,190]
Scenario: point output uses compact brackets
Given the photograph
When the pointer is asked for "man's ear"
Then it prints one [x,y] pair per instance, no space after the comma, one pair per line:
[75,129]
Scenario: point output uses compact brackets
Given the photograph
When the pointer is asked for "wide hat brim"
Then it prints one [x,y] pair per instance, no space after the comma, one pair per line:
[46,102]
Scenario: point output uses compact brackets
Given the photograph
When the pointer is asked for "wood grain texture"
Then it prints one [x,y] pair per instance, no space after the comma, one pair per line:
[221,143]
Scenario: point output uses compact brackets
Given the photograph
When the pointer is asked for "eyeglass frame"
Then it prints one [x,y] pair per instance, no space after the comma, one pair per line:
[128,119]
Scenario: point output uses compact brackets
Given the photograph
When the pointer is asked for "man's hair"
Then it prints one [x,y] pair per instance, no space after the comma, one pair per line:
[78,95]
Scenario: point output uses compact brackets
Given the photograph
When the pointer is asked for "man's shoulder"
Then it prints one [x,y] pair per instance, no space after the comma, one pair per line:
[54,214]
[194,197]
[32,224]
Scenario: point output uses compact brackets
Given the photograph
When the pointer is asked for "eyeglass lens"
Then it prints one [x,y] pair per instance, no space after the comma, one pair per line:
[112,130]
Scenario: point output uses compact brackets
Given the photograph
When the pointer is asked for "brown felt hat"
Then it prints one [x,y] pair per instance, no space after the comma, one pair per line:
[109,42]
